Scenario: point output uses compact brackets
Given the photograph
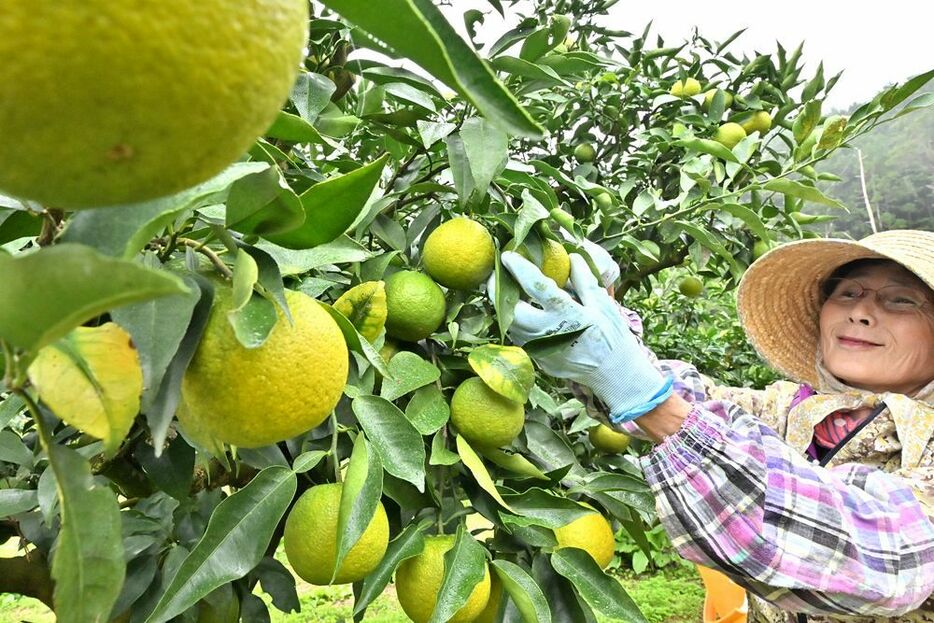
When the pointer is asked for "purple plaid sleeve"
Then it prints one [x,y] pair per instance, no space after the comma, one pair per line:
[849,540]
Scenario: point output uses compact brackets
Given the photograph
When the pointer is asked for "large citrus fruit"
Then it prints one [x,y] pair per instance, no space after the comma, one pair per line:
[311,538]
[691,286]
[556,263]
[364,305]
[591,533]
[608,440]
[585,152]
[687,88]
[115,102]
[759,122]
[255,397]
[484,417]
[491,611]
[729,134]
[415,305]
[418,581]
[459,254]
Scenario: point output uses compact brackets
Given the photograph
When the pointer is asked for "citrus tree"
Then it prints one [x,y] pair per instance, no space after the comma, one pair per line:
[248,292]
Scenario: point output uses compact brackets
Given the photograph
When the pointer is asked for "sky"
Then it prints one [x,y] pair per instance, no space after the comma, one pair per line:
[874,44]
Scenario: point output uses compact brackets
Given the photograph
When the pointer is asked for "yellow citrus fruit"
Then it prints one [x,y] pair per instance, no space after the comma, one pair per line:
[556,263]
[606,439]
[418,580]
[585,152]
[686,89]
[115,102]
[484,417]
[311,538]
[709,95]
[729,134]
[691,286]
[492,605]
[759,122]
[591,533]
[459,254]
[259,396]
[365,307]
[415,305]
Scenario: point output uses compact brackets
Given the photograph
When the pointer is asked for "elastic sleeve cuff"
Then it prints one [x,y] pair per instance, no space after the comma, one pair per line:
[686,449]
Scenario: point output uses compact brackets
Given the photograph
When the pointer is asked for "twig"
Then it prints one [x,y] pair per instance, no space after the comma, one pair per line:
[211,255]
[862,181]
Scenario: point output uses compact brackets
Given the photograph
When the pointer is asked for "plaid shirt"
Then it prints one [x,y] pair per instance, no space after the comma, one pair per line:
[847,540]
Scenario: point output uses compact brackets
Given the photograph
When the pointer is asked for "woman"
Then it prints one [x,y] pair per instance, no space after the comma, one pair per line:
[816,496]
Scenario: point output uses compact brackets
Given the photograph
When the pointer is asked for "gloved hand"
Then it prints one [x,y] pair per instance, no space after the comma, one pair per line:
[606,356]
[606,265]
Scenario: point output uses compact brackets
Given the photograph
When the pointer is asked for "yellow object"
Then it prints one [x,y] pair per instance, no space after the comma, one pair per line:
[724,600]
[729,134]
[492,606]
[459,254]
[556,263]
[606,439]
[687,88]
[116,102]
[591,533]
[484,417]
[760,122]
[311,538]
[418,581]
[365,306]
[256,397]
[415,306]
[709,95]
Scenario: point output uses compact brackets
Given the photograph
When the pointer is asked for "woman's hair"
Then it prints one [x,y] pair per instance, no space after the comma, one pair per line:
[850,267]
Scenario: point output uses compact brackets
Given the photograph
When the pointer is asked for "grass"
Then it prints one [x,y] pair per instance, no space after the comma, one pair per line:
[669,596]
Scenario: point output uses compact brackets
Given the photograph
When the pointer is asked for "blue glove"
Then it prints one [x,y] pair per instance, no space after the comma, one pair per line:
[606,356]
[606,265]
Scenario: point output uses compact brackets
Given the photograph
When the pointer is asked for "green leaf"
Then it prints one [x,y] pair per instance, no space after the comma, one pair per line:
[806,121]
[409,543]
[173,470]
[234,542]
[398,443]
[531,212]
[707,146]
[331,207]
[78,284]
[279,583]
[293,129]
[121,231]
[419,31]
[87,562]
[750,218]
[342,250]
[710,241]
[16,501]
[13,450]
[407,372]
[834,132]
[263,203]
[475,464]
[360,495]
[513,462]
[799,190]
[487,149]
[507,370]
[18,224]
[563,598]
[440,455]
[524,591]
[311,94]
[545,508]
[308,460]
[522,67]
[464,567]
[431,132]
[904,91]
[460,168]
[428,410]
[554,343]
[505,298]
[602,592]
[356,342]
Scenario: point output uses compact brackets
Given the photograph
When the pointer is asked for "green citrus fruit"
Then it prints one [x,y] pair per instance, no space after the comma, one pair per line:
[365,306]
[759,122]
[492,605]
[459,254]
[686,89]
[110,103]
[556,263]
[709,95]
[484,417]
[760,248]
[252,397]
[691,286]
[606,439]
[415,306]
[591,533]
[585,152]
[418,580]
[311,538]
[729,134]
[604,201]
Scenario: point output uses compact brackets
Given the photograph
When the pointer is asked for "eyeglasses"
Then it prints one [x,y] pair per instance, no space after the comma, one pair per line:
[895,299]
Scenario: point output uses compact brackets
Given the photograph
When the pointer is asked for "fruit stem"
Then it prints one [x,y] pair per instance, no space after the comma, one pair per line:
[211,255]
[335,462]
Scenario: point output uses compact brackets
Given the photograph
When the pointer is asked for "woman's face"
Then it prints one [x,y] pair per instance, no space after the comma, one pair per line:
[868,344]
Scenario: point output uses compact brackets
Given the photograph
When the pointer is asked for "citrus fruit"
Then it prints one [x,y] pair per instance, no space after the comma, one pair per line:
[259,396]
[759,249]
[585,152]
[709,95]
[459,254]
[364,305]
[556,263]
[604,201]
[488,615]
[591,533]
[311,538]
[484,417]
[759,122]
[608,440]
[415,305]
[418,580]
[729,134]
[116,102]
[686,88]
[691,286]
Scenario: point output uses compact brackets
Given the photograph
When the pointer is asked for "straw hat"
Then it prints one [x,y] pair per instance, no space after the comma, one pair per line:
[779,297]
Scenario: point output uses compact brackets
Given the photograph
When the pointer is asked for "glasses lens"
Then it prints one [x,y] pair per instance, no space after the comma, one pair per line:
[846,290]
[901,299]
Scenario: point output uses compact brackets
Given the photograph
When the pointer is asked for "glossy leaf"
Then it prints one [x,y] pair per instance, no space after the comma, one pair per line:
[16,501]
[604,593]
[707,146]
[545,508]
[311,94]
[409,543]
[801,191]
[474,463]
[263,203]
[360,493]
[486,147]
[507,370]
[408,372]
[342,250]
[356,342]
[307,460]
[399,445]
[235,540]
[428,410]
[464,567]
[524,591]
[513,462]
